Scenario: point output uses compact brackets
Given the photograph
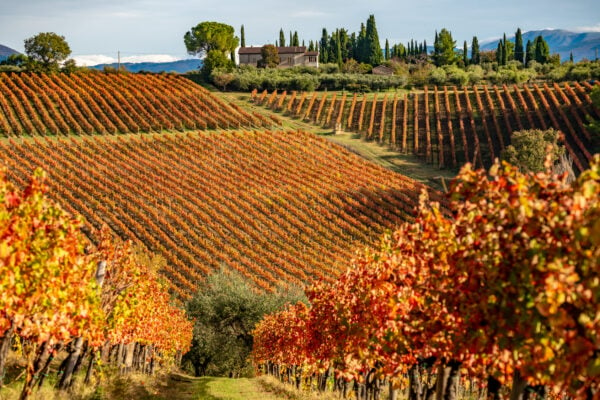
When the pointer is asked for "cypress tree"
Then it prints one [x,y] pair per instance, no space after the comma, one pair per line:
[295,40]
[425,47]
[311,46]
[475,57]
[387,50]
[519,46]
[281,38]
[338,50]
[465,54]
[374,55]
[571,57]
[444,49]
[323,46]
[291,42]
[504,51]
[243,37]
[529,52]
[499,51]
[542,50]
[361,44]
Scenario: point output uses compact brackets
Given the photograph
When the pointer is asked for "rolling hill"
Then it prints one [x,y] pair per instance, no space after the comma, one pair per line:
[582,44]
[276,206]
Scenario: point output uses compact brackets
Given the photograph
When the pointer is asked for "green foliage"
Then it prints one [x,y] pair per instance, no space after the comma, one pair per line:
[243,37]
[373,46]
[270,56]
[443,53]
[475,58]
[530,148]
[207,36]
[215,59]
[226,311]
[519,53]
[529,53]
[542,50]
[594,125]
[46,51]
[281,38]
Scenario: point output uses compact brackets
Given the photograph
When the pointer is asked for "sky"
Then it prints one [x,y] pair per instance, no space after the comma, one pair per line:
[146,30]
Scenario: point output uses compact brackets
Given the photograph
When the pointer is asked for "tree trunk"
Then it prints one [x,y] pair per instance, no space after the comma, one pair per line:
[128,364]
[493,388]
[5,344]
[90,368]
[29,375]
[44,372]
[414,383]
[441,380]
[65,380]
[451,392]
[392,393]
[519,384]
[38,365]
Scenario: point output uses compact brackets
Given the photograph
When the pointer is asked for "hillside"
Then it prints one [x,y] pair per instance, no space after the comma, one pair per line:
[582,44]
[276,206]
[448,126]
[180,66]
[6,51]
[39,104]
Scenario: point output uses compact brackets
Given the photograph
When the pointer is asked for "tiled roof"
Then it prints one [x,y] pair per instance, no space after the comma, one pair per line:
[280,50]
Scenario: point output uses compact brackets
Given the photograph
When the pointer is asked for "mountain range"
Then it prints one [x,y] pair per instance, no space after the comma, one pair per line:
[6,51]
[179,66]
[582,44]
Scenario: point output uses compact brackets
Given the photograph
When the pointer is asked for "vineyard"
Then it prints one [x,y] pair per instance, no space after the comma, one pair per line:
[450,126]
[275,206]
[97,103]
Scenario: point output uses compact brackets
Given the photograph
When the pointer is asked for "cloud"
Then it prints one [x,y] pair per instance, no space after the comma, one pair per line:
[95,59]
[593,28]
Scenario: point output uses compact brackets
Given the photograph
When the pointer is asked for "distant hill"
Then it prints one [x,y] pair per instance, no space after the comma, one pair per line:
[6,51]
[583,44]
[180,66]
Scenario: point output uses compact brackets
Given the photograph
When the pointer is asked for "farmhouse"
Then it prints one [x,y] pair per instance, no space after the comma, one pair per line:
[289,56]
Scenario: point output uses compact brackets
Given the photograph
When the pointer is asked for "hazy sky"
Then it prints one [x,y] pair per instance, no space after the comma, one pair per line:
[153,27]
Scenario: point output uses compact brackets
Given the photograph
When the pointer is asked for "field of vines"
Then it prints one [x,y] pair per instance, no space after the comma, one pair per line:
[450,126]
[98,103]
[276,206]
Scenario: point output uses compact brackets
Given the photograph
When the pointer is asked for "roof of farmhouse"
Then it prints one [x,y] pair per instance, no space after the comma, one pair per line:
[280,50]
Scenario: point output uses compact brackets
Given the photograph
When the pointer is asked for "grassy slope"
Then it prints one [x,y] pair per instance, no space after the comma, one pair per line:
[404,164]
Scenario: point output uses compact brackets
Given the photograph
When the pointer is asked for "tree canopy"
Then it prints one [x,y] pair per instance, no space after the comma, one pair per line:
[208,35]
[270,56]
[444,48]
[46,51]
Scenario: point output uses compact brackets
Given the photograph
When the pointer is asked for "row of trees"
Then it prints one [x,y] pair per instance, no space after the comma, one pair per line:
[59,292]
[499,289]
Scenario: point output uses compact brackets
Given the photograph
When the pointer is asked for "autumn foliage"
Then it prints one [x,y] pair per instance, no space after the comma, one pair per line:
[50,294]
[506,289]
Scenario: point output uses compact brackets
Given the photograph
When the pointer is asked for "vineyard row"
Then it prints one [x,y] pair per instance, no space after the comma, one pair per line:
[96,103]
[275,206]
[450,126]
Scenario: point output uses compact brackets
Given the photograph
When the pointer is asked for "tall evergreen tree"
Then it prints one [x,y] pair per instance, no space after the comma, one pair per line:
[387,50]
[243,37]
[281,38]
[444,49]
[542,50]
[571,57]
[361,44]
[311,46]
[338,50]
[295,40]
[465,53]
[425,47]
[529,52]
[323,47]
[504,51]
[291,42]
[519,54]
[475,57]
[499,53]
[374,55]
